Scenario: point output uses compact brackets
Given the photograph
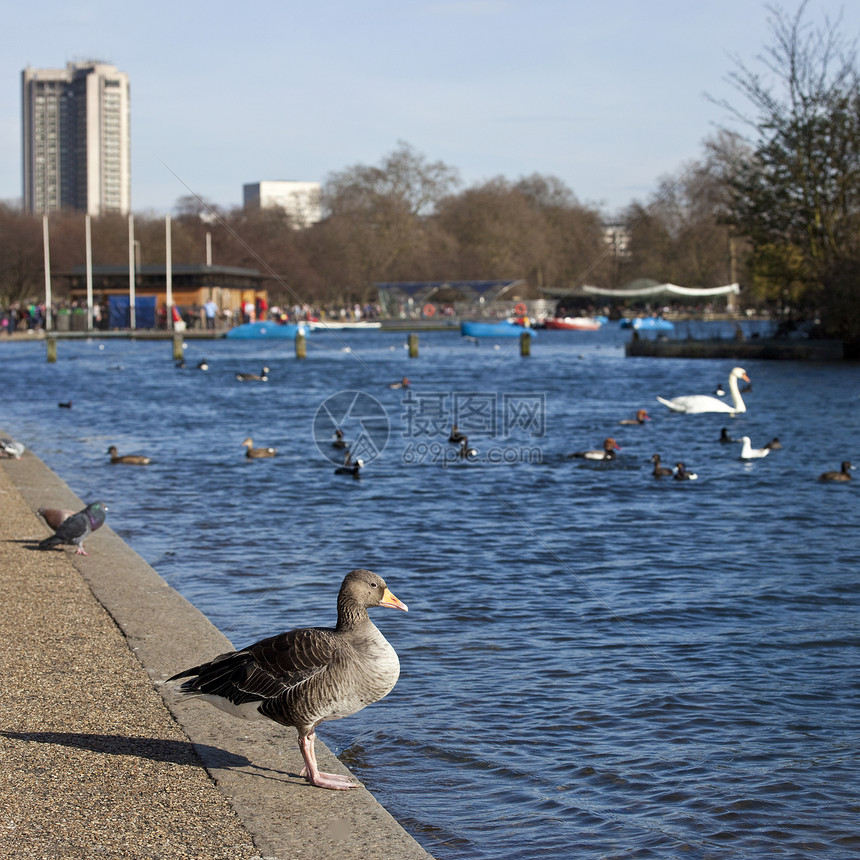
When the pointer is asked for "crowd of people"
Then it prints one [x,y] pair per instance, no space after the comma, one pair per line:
[22,316]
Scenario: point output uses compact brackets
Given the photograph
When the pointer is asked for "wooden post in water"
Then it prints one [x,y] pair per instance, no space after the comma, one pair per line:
[178,349]
[413,345]
[51,341]
[301,344]
[525,344]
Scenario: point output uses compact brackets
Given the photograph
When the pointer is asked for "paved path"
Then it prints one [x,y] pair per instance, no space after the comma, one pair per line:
[95,763]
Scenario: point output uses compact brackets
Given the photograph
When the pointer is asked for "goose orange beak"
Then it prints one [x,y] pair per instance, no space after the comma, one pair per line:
[388,599]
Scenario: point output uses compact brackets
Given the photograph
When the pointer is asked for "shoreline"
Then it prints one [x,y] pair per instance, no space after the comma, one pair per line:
[253,766]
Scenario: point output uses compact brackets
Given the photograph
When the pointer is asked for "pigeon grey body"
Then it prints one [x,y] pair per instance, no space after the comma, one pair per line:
[77,528]
[305,676]
[54,517]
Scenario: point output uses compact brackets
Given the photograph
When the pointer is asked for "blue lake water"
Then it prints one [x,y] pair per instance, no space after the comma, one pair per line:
[595,664]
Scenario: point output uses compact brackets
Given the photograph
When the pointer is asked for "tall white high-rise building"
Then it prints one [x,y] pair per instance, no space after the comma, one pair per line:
[76,139]
[300,200]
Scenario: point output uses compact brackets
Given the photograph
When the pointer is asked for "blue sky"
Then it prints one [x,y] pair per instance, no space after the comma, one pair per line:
[610,98]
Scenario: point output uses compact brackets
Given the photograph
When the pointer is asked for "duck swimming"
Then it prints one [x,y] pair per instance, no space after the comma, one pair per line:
[660,471]
[774,444]
[842,475]
[724,436]
[350,468]
[466,451]
[641,417]
[681,473]
[339,441]
[610,446]
[456,436]
[694,404]
[257,453]
[127,459]
[262,376]
[307,676]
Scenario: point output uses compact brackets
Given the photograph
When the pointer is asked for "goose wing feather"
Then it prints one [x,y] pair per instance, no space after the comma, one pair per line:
[264,670]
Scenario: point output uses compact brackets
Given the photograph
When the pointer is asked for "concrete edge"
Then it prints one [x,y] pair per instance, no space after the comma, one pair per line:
[286,817]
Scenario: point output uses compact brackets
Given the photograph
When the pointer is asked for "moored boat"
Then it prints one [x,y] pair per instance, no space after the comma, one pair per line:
[323,325]
[503,328]
[573,323]
[648,324]
[268,330]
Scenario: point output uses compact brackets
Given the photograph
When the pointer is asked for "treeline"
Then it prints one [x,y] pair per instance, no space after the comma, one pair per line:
[404,220]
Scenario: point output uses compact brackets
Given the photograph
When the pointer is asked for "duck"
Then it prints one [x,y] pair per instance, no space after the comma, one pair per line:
[660,471]
[610,446]
[456,436]
[774,444]
[719,391]
[262,376]
[65,404]
[724,436]
[641,417]
[695,404]
[203,364]
[351,468]
[128,459]
[304,677]
[842,475]
[750,453]
[257,453]
[404,383]
[681,473]
[339,441]
[466,451]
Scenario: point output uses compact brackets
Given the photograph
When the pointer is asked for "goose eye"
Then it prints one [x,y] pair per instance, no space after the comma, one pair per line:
[373,585]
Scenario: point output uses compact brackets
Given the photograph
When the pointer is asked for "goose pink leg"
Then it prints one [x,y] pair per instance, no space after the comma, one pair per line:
[314,775]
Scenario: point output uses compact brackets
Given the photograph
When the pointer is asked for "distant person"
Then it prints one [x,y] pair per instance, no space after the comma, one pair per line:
[210,309]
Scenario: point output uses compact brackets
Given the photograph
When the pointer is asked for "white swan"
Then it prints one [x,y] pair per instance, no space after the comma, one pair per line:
[750,453]
[693,404]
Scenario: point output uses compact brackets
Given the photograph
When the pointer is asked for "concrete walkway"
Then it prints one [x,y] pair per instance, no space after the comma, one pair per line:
[95,763]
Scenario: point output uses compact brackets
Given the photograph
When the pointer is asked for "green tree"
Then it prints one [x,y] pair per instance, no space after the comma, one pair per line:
[796,194]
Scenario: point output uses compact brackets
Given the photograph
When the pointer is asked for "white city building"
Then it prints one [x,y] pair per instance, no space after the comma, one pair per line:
[300,200]
[76,139]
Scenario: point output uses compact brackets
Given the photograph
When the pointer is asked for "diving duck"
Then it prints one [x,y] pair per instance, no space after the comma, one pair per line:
[842,475]
[660,471]
[127,459]
[610,446]
[641,417]
[262,376]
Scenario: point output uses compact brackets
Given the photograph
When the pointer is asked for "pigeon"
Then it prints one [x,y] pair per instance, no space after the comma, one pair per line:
[77,527]
[8,448]
[54,517]
[303,677]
